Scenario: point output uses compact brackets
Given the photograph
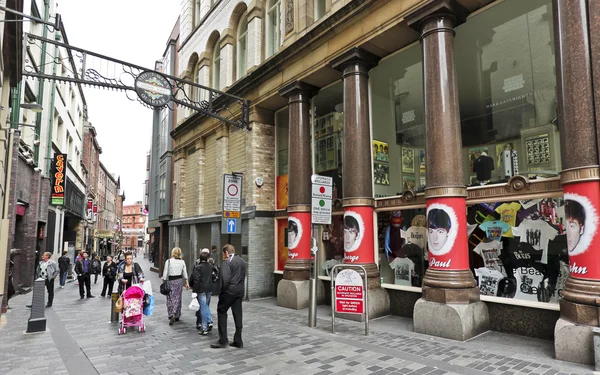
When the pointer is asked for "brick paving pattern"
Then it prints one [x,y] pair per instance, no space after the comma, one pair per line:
[277,341]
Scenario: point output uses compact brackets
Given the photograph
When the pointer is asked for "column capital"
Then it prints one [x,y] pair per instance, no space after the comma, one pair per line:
[298,87]
[255,10]
[355,55]
[437,8]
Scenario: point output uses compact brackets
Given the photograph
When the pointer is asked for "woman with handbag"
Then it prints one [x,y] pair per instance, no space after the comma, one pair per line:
[129,273]
[174,277]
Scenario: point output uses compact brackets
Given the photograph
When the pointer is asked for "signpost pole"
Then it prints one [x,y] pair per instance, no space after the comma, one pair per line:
[312,308]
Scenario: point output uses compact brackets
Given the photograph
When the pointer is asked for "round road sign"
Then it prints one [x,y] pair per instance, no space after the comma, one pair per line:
[232,190]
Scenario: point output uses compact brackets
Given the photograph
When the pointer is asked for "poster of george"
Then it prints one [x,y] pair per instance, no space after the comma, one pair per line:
[282,192]
[408,183]
[381,151]
[474,153]
[381,173]
[282,250]
[408,160]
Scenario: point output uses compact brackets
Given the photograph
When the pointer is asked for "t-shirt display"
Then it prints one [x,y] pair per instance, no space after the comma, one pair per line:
[536,233]
[508,214]
[328,265]
[495,229]
[490,252]
[403,271]
[528,283]
[488,280]
[416,235]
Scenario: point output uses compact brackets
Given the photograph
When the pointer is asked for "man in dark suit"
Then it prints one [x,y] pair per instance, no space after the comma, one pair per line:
[83,269]
[233,275]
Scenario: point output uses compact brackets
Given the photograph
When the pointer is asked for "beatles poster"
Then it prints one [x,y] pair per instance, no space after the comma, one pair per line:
[381,173]
[358,235]
[408,160]
[446,235]
[381,151]
[299,224]
[582,203]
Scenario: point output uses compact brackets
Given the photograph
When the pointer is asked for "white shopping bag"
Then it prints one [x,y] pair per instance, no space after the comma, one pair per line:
[194,305]
[146,287]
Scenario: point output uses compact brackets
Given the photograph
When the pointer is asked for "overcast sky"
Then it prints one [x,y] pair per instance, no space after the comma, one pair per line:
[135,31]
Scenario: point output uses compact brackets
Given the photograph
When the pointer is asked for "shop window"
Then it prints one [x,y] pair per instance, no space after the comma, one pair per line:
[282,141]
[402,238]
[282,249]
[332,240]
[242,47]
[397,112]
[518,249]
[328,128]
[507,93]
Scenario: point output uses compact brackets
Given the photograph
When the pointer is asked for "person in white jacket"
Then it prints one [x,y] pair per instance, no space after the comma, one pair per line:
[48,270]
[175,271]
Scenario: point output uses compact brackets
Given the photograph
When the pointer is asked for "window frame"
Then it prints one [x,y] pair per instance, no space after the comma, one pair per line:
[242,54]
[216,66]
[273,33]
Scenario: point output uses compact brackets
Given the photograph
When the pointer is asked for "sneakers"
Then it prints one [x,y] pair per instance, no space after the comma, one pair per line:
[202,332]
[62,287]
[210,327]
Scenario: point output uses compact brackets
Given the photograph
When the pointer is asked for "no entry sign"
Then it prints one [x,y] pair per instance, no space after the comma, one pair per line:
[349,292]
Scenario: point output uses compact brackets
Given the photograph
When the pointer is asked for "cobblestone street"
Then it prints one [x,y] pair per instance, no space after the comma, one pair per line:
[81,340]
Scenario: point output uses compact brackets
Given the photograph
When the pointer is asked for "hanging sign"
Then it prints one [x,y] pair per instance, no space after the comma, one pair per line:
[153,88]
[59,174]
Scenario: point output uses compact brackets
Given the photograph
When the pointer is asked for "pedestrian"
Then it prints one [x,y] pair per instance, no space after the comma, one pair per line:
[48,270]
[175,271]
[233,275]
[63,265]
[96,267]
[79,256]
[129,273]
[201,283]
[83,269]
[109,271]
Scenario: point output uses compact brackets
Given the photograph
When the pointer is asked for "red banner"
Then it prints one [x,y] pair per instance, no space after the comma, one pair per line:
[582,204]
[349,306]
[447,233]
[299,235]
[358,235]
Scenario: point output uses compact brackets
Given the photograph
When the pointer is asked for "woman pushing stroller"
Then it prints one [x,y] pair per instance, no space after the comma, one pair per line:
[129,273]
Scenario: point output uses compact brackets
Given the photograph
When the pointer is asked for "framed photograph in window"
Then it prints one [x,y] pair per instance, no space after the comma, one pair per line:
[381,151]
[408,160]
[381,173]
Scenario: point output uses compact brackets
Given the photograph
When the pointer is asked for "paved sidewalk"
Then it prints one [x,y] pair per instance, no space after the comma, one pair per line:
[81,340]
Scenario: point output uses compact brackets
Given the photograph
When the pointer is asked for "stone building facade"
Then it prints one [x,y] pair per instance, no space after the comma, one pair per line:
[457,155]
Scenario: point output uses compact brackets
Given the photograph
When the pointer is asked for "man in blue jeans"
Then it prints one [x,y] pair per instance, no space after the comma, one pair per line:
[201,283]
[63,266]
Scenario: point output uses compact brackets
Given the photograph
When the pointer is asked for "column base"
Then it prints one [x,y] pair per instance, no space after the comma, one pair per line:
[294,294]
[452,321]
[378,305]
[573,342]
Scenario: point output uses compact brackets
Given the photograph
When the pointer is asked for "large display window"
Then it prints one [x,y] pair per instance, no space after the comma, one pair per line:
[397,113]
[402,238]
[519,249]
[507,92]
[332,244]
[328,130]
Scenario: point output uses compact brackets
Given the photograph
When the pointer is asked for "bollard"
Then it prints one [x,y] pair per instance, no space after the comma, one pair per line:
[37,320]
[114,314]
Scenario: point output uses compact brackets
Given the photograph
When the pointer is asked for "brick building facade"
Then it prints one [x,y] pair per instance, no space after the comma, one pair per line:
[134,224]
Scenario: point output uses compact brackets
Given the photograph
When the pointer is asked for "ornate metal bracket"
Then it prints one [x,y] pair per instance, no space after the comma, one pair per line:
[151,88]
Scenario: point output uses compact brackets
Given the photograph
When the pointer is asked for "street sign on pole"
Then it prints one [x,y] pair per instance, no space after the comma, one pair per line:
[322,194]
[231,223]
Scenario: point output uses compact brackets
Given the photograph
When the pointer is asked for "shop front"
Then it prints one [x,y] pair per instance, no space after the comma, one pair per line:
[476,198]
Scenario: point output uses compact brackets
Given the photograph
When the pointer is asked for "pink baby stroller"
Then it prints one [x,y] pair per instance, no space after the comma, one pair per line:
[133,307]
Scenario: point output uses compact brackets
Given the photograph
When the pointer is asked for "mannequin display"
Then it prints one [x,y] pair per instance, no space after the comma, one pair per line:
[393,235]
[510,162]
[417,236]
[483,167]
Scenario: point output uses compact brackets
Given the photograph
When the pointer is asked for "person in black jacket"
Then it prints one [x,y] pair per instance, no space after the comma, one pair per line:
[96,267]
[233,275]
[63,266]
[201,283]
[109,271]
[83,269]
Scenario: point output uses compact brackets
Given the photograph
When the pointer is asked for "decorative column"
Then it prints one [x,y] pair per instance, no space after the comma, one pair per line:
[358,175]
[293,290]
[580,302]
[449,289]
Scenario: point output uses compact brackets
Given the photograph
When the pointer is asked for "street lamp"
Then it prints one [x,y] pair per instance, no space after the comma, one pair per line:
[34,107]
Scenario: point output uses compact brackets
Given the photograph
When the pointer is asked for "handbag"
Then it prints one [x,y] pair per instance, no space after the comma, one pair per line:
[119,305]
[165,287]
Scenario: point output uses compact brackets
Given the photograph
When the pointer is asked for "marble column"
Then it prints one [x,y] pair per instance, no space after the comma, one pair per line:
[580,302]
[358,174]
[293,290]
[449,289]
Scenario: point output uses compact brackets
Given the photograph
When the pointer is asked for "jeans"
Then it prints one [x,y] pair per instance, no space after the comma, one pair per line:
[63,278]
[204,301]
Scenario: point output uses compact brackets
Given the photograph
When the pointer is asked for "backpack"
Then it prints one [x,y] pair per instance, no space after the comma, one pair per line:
[215,274]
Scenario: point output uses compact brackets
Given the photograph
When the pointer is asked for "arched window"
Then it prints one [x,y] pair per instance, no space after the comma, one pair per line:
[216,67]
[273,27]
[197,10]
[319,9]
[242,46]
